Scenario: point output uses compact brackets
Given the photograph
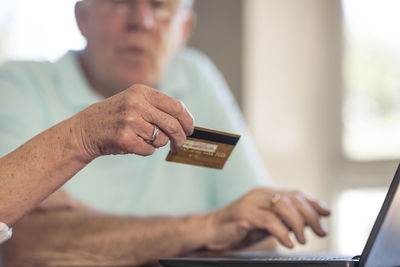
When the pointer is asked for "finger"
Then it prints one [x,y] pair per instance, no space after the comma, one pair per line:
[137,145]
[143,129]
[173,107]
[147,130]
[287,212]
[311,217]
[318,205]
[168,124]
[277,228]
[291,217]
[161,140]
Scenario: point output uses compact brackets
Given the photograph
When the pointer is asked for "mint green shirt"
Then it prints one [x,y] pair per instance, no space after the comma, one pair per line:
[36,95]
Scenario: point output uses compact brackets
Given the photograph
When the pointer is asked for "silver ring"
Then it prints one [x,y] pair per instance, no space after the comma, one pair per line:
[154,135]
[273,200]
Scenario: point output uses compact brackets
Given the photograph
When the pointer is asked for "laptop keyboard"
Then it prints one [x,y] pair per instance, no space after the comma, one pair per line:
[302,258]
[319,256]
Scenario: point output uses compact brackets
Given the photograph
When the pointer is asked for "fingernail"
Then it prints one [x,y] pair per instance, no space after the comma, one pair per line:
[323,205]
[289,243]
[324,228]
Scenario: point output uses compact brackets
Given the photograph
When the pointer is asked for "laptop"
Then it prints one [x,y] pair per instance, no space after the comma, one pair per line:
[381,250]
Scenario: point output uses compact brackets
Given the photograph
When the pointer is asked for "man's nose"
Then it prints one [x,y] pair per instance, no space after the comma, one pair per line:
[141,15]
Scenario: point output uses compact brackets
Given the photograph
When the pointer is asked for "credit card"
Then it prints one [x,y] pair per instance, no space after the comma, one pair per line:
[206,148]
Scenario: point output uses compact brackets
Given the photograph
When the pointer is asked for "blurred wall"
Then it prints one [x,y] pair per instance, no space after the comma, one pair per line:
[219,34]
[292,92]
[282,60]
[5,7]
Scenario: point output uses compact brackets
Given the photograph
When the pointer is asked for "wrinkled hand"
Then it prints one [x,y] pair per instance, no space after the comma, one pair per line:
[232,224]
[124,123]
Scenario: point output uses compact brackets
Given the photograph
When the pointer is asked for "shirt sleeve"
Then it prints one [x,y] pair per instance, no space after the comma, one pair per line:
[5,233]
[244,170]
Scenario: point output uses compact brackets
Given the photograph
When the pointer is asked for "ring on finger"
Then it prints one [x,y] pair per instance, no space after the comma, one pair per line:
[274,200]
[154,136]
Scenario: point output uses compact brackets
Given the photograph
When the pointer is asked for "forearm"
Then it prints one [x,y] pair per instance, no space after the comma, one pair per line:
[37,168]
[122,124]
[102,239]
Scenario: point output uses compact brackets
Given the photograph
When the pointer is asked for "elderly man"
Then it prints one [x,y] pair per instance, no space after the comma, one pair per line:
[131,42]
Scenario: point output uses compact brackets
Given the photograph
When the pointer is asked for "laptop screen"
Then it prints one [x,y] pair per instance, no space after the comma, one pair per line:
[383,245]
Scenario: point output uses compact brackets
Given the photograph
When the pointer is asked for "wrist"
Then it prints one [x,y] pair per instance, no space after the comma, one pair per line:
[79,140]
[198,230]
[210,230]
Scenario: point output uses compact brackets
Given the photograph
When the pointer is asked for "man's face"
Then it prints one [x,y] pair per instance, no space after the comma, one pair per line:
[131,41]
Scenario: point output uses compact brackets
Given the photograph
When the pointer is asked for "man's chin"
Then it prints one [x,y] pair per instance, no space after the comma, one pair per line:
[138,79]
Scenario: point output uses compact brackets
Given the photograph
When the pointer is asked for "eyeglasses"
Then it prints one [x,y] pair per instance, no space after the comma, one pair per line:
[161,9]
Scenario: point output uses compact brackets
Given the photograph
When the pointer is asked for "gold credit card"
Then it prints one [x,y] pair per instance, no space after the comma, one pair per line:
[206,147]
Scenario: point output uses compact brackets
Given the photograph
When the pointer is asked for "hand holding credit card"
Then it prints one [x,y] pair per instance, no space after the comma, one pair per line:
[206,148]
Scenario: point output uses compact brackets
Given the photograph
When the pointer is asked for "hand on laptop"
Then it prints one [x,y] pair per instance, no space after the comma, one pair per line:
[276,212]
